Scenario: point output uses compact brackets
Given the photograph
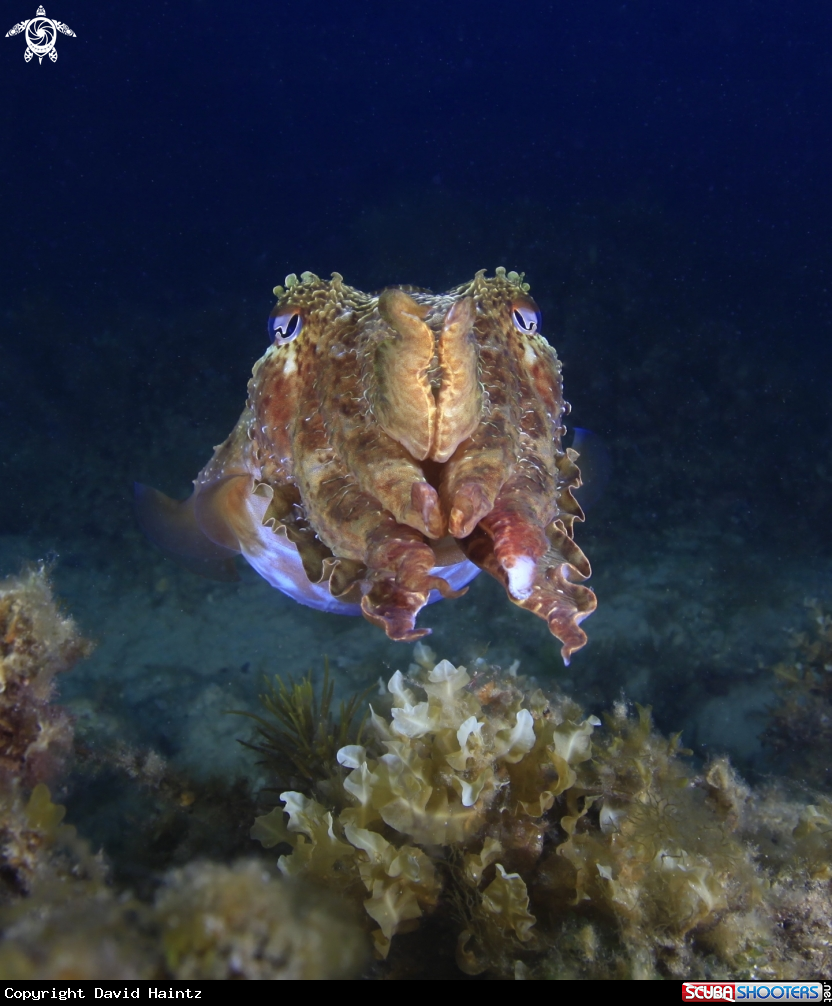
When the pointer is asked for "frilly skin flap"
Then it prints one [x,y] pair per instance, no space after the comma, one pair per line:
[391,447]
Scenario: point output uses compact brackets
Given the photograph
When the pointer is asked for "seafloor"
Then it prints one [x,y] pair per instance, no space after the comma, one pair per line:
[706,543]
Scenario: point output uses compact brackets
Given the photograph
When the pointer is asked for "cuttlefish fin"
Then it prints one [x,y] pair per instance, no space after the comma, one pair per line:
[172,526]
[222,510]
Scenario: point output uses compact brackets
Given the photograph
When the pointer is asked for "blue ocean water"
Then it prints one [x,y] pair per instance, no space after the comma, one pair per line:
[660,172]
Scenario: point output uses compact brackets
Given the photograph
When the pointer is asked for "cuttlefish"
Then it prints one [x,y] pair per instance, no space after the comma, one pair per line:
[392,446]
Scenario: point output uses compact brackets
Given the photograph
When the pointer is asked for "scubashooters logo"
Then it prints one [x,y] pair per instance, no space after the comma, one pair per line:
[40,34]
[757,991]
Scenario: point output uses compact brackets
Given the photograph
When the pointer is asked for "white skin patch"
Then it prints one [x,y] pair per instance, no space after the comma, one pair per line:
[521,577]
[290,366]
[529,357]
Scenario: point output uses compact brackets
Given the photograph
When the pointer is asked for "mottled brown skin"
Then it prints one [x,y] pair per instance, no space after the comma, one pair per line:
[402,419]
[394,435]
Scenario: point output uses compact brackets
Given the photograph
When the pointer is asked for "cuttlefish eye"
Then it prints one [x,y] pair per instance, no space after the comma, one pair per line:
[526,318]
[285,327]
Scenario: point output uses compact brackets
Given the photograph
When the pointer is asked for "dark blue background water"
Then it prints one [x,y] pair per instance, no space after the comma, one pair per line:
[660,171]
[179,150]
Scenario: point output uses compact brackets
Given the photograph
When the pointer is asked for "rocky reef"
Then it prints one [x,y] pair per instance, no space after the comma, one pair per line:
[208,921]
[800,727]
[461,823]
[36,643]
[61,914]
